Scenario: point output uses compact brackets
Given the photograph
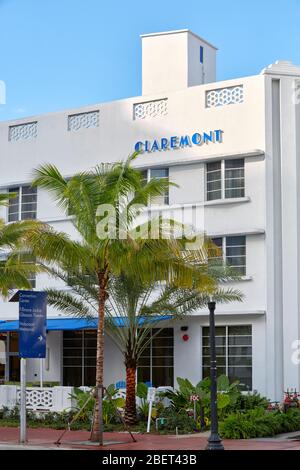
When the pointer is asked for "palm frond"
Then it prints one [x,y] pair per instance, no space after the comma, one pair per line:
[67,303]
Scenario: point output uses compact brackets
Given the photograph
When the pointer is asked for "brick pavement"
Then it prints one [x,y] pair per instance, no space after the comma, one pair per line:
[45,438]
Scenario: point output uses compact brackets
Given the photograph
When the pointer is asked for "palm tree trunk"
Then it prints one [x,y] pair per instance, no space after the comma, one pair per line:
[97,429]
[130,406]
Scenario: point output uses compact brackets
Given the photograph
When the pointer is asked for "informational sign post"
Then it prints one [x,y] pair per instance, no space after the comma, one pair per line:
[32,324]
[32,340]
[150,400]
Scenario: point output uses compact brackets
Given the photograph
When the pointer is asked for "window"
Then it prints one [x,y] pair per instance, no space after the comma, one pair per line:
[79,358]
[201,54]
[234,179]
[233,253]
[74,278]
[234,353]
[24,205]
[213,181]
[225,179]
[159,173]
[31,277]
[157,362]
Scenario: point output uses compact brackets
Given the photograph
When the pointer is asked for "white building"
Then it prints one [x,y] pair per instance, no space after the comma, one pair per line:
[233,148]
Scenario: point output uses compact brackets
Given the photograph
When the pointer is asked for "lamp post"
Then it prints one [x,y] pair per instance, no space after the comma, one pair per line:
[214,441]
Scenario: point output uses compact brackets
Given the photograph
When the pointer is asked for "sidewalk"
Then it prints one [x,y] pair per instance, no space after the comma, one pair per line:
[45,439]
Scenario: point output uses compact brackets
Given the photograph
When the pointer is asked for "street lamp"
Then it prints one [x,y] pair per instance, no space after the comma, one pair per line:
[214,441]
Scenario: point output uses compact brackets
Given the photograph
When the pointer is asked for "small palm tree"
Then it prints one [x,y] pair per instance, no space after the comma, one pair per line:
[121,245]
[133,309]
[16,263]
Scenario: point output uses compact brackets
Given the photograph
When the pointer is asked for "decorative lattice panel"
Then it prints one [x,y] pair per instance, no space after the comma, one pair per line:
[150,109]
[120,394]
[23,131]
[225,96]
[83,121]
[38,399]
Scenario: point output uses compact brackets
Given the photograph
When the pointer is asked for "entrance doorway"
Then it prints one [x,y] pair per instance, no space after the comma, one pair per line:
[3,355]
[13,360]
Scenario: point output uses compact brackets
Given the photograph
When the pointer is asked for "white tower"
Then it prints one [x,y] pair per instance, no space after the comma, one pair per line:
[175,60]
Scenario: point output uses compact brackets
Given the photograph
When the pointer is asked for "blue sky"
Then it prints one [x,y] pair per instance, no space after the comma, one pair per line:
[57,54]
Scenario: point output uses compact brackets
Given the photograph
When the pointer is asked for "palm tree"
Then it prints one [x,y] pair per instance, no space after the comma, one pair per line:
[105,248]
[133,309]
[16,263]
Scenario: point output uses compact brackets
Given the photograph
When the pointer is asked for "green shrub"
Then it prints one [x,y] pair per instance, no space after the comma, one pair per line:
[86,403]
[251,401]
[180,420]
[228,395]
[259,423]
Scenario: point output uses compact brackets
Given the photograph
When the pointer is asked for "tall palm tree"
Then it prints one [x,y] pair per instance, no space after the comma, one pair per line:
[106,252]
[16,264]
[133,309]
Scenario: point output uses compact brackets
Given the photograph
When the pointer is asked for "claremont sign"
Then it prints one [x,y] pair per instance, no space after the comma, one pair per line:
[179,142]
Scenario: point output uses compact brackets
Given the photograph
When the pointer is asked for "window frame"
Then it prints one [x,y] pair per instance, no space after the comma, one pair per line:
[147,172]
[227,346]
[83,338]
[224,248]
[20,205]
[152,356]
[223,189]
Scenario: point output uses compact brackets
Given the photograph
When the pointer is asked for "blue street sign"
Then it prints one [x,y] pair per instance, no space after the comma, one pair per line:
[32,324]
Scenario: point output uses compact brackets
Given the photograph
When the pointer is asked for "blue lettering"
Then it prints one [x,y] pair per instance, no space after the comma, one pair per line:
[139,147]
[197,139]
[185,141]
[219,135]
[164,144]
[174,142]
[207,137]
[155,146]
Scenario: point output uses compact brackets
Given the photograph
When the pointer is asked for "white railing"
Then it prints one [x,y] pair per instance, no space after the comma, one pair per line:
[38,399]
[48,399]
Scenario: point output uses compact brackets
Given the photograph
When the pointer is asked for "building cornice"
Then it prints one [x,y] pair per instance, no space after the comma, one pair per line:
[282,67]
[220,313]
[203,159]
[167,33]
[237,233]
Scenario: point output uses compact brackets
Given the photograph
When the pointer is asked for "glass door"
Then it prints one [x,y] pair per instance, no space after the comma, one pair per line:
[2,358]
[13,358]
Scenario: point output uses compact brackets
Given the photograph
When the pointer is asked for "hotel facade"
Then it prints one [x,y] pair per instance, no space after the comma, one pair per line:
[233,149]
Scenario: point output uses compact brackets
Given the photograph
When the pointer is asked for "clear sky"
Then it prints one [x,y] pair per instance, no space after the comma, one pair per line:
[58,54]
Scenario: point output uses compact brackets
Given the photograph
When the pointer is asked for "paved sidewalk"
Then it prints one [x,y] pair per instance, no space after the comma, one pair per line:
[45,439]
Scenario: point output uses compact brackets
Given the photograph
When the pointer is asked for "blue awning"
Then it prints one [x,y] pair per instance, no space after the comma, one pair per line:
[62,324]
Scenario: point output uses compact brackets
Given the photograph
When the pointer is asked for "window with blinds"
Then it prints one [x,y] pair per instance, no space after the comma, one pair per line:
[225,180]
[234,353]
[24,205]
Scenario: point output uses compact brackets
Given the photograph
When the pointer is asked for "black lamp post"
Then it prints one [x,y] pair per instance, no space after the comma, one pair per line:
[214,441]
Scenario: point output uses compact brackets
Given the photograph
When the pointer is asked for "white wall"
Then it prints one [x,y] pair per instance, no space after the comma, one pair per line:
[282,220]
[200,73]
[171,61]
